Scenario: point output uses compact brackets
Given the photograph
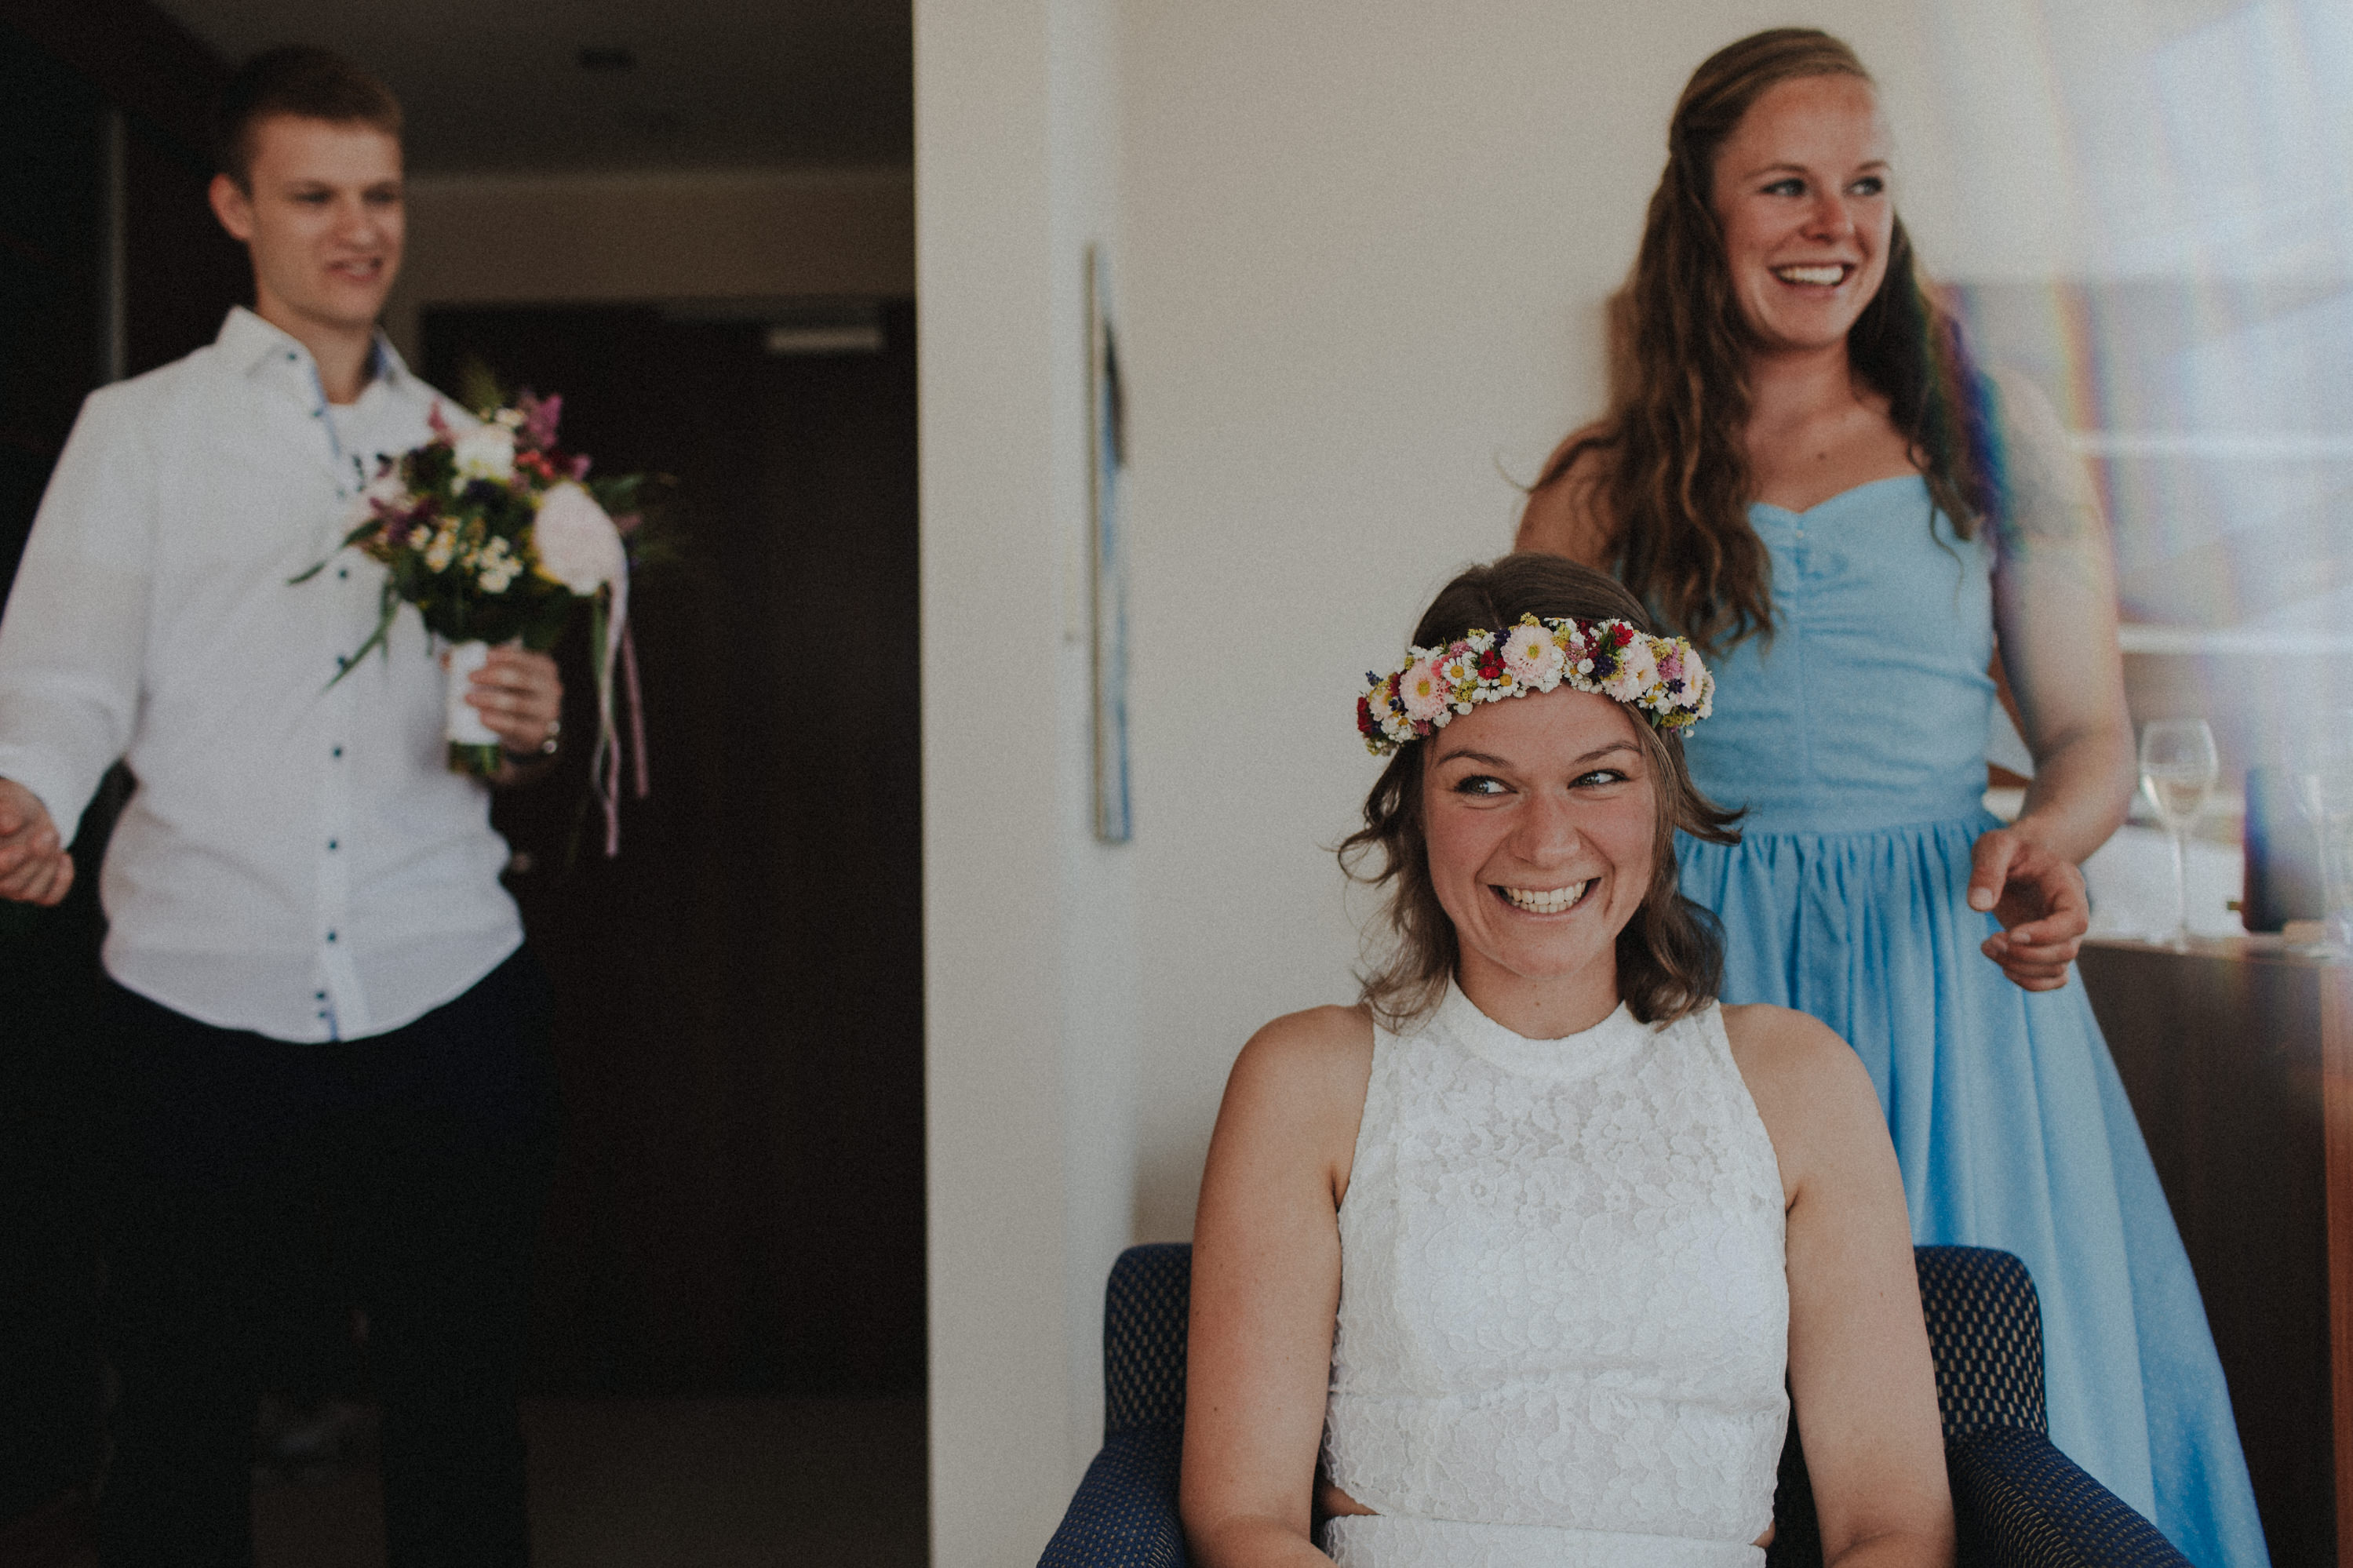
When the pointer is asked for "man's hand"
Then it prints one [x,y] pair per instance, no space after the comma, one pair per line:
[34,867]
[519,695]
[2038,897]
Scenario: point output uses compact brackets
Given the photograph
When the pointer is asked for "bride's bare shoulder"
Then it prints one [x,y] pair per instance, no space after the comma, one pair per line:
[1294,1100]
[1785,1053]
[1304,1047]
[1781,1040]
[1810,1088]
[1304,1067]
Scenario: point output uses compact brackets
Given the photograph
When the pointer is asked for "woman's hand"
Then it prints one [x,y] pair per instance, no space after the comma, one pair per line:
[34,865]
[2038,897]
[520,696]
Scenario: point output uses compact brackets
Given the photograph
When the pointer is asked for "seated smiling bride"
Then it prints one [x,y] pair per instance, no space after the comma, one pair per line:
[1505,1265]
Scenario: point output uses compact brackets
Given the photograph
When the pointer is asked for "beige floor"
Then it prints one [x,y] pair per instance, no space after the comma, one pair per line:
[667,1483]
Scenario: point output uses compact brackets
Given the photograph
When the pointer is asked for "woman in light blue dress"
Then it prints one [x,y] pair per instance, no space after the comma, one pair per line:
[1801,469]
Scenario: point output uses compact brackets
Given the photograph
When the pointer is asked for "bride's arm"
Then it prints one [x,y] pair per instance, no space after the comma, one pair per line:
[1860,1375]
[1266,1289]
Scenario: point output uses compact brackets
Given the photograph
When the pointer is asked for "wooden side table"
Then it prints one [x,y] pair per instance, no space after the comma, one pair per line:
[2238,1058]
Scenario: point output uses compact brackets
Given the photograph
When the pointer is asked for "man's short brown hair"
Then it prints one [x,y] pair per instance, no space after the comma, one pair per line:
[312,84]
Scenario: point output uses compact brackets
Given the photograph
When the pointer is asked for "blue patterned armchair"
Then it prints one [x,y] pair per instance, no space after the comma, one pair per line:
[2020,1502]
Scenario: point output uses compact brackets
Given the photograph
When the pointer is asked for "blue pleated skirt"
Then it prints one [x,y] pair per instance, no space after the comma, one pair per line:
[2013,1132]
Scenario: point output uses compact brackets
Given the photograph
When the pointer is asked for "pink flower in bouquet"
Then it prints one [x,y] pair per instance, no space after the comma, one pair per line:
[383,496]
[385,491]
[540,417]
[577,544]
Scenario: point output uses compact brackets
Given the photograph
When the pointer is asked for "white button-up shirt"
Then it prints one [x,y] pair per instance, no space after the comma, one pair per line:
[296,859]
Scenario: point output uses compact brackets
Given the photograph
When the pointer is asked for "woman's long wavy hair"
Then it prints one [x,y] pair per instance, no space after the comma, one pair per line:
[1670,956]
[1670,471]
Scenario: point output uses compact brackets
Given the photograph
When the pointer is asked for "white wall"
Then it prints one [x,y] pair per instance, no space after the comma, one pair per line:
[587,238]
[1102,971]
[1368,247]
[1029,995]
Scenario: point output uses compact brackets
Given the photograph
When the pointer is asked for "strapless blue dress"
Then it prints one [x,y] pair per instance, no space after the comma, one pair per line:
[1856,740]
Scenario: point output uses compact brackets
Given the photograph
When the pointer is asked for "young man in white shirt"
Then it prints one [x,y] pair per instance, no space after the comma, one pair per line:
[325,1044]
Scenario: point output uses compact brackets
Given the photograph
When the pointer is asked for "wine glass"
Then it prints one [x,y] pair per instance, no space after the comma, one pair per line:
[2177,769]
[2320,761]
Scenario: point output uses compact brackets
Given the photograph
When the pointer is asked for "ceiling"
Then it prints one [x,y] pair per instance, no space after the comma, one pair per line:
[707,83]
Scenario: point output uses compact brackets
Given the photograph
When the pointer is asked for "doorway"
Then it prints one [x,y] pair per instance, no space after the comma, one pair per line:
[739,1023]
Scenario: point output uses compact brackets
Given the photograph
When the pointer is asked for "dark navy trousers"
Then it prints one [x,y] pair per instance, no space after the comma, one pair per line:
[404,1172]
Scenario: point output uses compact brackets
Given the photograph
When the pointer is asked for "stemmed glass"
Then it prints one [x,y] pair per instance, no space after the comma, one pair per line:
[2177,769]
[2320,760]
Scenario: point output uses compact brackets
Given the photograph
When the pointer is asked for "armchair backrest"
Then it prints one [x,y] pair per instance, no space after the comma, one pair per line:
[1985,1330]
[2017,1499]
[1145,1309]
[1985,1336]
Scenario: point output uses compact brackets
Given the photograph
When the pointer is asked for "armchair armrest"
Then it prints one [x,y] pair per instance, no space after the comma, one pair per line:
[2021,1503]
[1124,1515]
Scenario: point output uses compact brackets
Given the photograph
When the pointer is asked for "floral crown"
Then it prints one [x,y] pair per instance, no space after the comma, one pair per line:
[1661,676]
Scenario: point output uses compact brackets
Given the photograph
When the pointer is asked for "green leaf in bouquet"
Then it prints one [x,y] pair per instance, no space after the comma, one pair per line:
[479,389]
[389,610]
[351,539]
[547,620]
[617,492]
[653,540]
[481,761]
[429,468]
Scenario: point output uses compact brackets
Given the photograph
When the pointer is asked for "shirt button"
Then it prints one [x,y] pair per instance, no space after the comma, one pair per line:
[330,844]
[321,996]
[339,751]
[331,936]
[342,570]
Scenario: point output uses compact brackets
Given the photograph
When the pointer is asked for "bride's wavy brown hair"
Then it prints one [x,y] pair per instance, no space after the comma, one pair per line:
[1670,956]
[1671,473]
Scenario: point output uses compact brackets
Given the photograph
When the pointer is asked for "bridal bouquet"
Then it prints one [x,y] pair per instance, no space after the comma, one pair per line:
[496,536]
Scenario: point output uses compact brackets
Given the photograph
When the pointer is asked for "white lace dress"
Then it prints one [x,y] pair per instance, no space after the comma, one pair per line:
[1563,1317]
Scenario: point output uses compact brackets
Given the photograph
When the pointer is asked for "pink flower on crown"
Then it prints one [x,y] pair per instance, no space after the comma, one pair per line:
[1532,657]
[1570,637]
[1637,671]
[1686,676]
[1422,690]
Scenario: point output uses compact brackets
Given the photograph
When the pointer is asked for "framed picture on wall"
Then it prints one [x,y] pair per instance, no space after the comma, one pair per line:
[1107,456]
